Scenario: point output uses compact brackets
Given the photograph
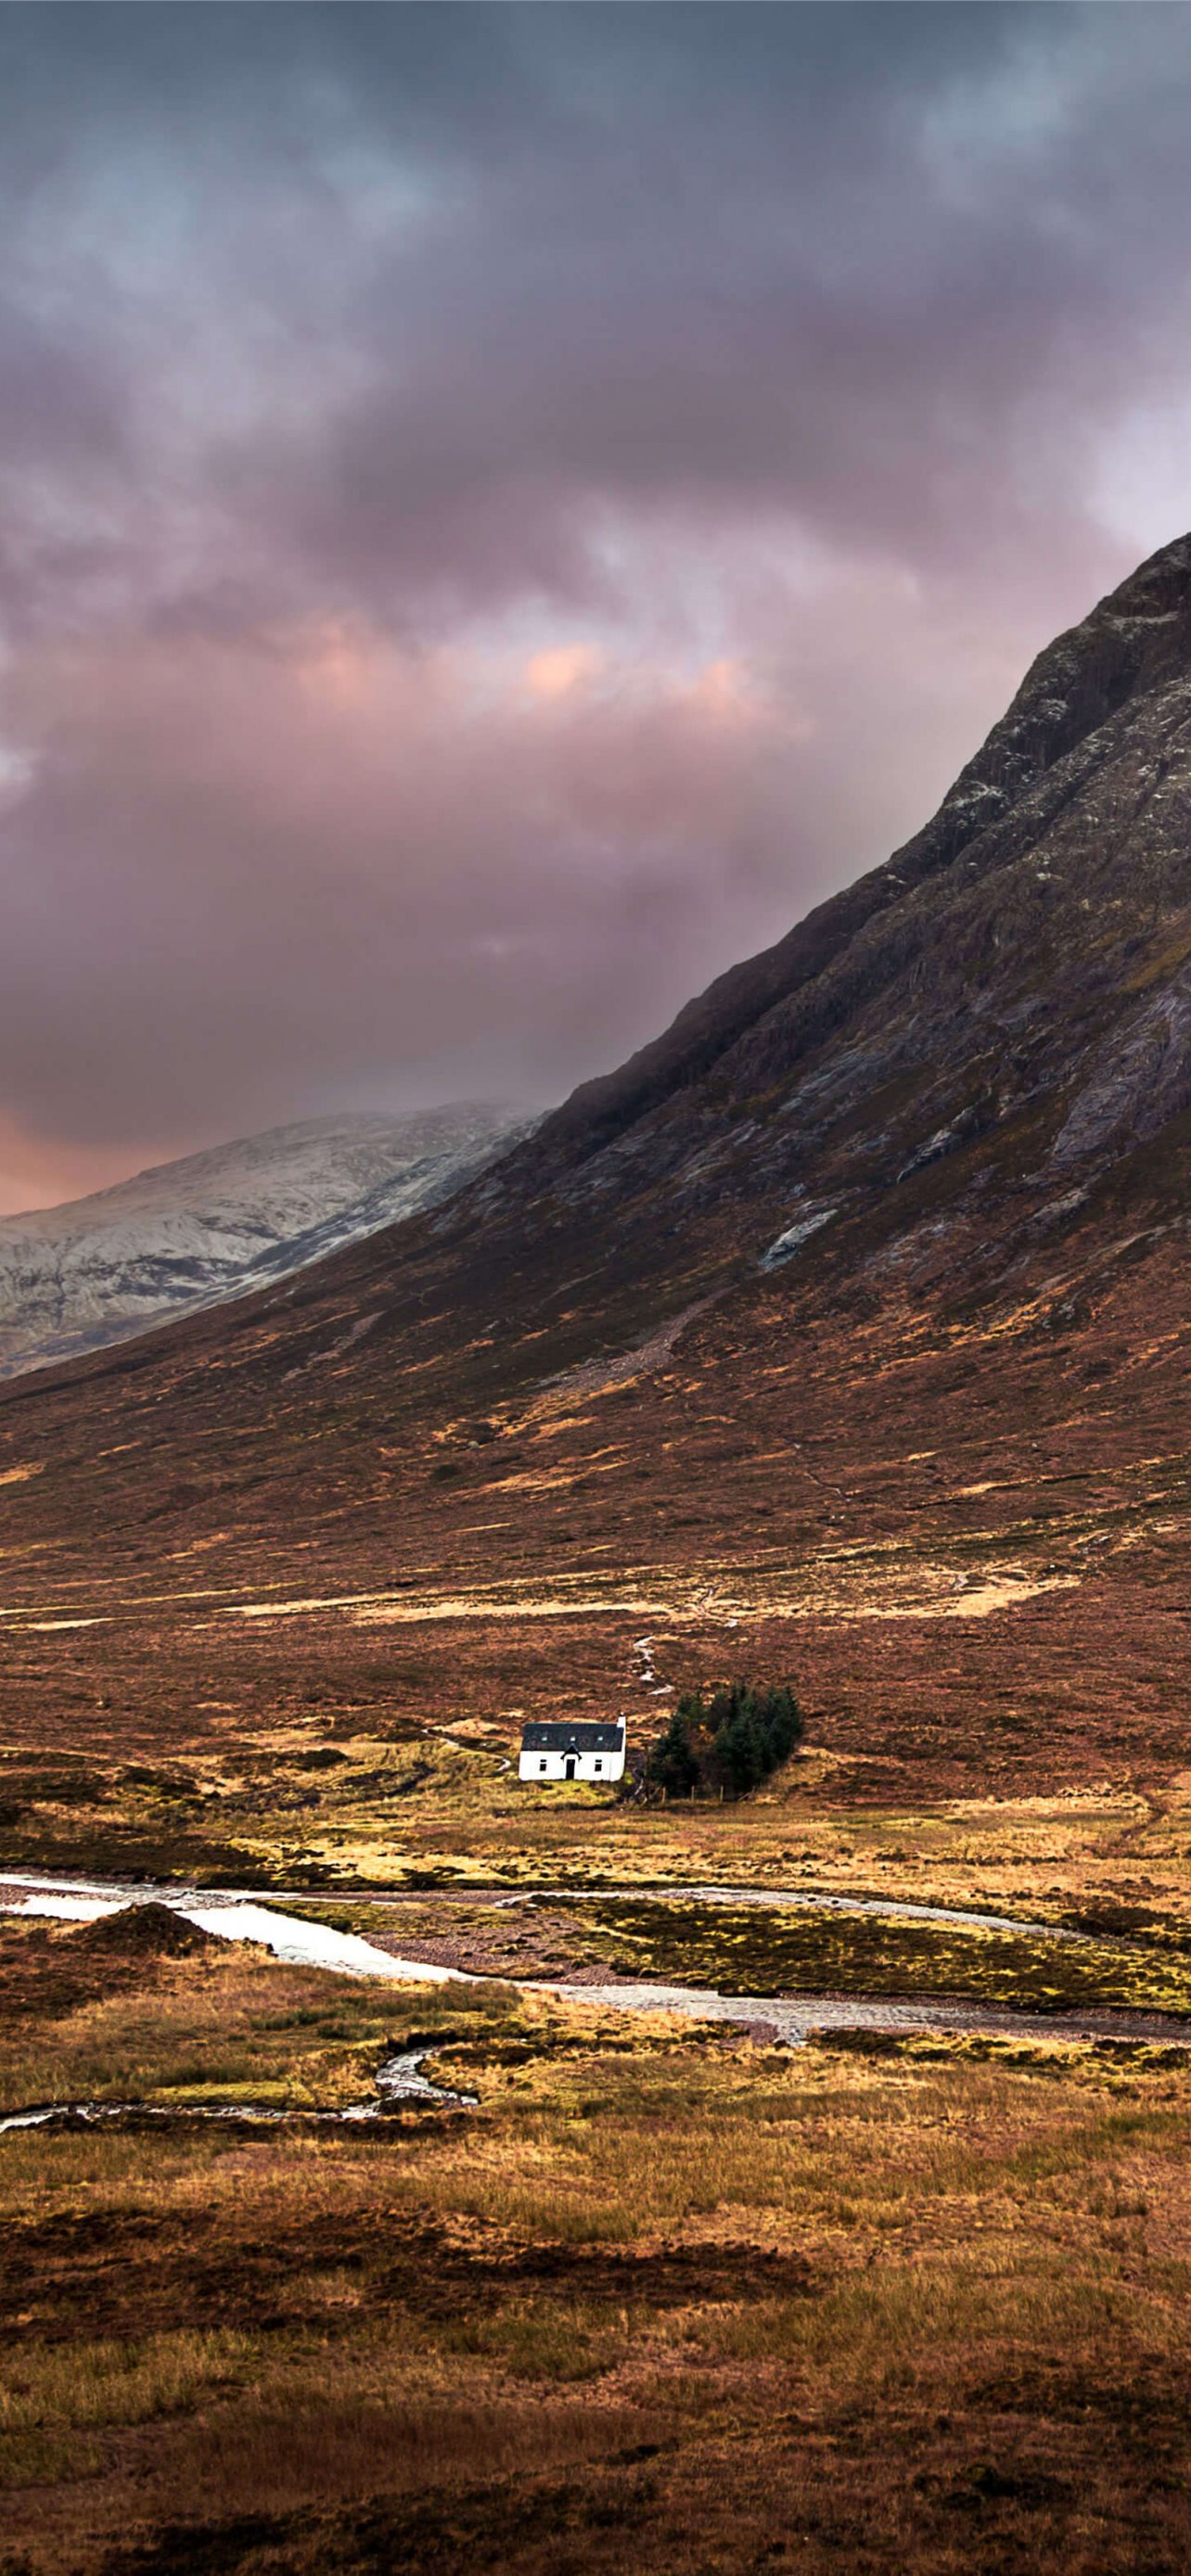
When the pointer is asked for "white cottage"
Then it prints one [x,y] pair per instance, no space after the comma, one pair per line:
[552,1750]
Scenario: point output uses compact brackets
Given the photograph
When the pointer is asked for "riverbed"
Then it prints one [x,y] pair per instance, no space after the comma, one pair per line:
[241,1915]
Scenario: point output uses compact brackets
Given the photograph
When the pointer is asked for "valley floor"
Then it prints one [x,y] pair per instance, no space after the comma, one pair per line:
[668,2295]
[671,2296]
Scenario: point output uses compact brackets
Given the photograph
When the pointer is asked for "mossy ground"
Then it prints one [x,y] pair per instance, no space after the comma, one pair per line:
[759,1950]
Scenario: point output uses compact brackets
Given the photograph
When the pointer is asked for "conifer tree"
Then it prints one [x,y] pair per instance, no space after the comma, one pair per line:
[672,1762]
[734,1741]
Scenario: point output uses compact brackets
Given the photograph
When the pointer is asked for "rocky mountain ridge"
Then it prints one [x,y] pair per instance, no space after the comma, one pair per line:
[1020,967]
[1054,743]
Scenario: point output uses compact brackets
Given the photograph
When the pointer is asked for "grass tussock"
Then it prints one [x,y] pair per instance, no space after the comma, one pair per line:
[116,2382]
[273,2461]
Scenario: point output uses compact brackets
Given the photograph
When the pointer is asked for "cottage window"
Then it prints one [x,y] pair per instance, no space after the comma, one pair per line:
[542,1763]
[599,1764]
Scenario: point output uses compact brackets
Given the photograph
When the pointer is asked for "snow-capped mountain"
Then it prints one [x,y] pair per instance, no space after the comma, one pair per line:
[190,1233]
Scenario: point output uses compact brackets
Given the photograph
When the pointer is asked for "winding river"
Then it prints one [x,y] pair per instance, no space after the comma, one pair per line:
[240,1914]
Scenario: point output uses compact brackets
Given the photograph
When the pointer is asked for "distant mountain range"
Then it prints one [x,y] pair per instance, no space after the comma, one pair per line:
[213,1225]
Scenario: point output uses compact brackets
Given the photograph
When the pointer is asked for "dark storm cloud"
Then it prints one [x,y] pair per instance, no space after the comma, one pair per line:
[807,261]
[500,507]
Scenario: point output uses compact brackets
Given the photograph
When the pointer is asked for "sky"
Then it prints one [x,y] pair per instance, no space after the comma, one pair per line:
[503,508]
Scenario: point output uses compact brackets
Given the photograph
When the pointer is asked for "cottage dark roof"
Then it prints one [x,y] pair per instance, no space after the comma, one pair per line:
[547,1735]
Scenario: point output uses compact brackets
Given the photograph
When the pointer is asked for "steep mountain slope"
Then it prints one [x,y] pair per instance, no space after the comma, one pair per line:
[1051,747]
[188,1233]
[845,1328]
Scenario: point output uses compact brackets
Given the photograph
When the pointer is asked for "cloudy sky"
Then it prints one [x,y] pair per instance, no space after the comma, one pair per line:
[502,508]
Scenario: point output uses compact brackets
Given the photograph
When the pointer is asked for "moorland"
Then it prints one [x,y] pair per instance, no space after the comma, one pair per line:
[664,2291]
[840,1340]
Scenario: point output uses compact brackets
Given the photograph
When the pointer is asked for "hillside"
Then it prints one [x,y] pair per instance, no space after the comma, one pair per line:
[213,1225]
[844,1330]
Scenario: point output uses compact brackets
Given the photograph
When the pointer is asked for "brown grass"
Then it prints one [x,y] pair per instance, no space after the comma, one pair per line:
[660,2302]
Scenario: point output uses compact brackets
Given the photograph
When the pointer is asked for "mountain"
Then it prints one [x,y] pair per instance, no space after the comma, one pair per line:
[189,1233]
[843,1331]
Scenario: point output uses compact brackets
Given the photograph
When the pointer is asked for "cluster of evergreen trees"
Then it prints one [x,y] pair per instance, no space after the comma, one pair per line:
[731,1741]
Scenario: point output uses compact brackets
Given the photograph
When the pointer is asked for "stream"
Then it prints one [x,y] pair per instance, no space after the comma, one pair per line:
[239,1915]
[233,1917]
[399,2079]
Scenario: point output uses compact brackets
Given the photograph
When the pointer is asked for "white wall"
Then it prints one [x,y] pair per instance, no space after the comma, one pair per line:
[588,1766]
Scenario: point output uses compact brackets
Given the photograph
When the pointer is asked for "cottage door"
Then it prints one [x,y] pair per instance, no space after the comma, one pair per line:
[569,1767]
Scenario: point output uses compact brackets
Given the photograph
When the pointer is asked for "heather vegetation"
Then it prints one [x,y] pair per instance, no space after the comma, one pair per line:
[665,2298]
[726,1743]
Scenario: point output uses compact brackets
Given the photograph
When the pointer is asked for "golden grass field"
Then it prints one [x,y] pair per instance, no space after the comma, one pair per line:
[666,2299]
[669,2299]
